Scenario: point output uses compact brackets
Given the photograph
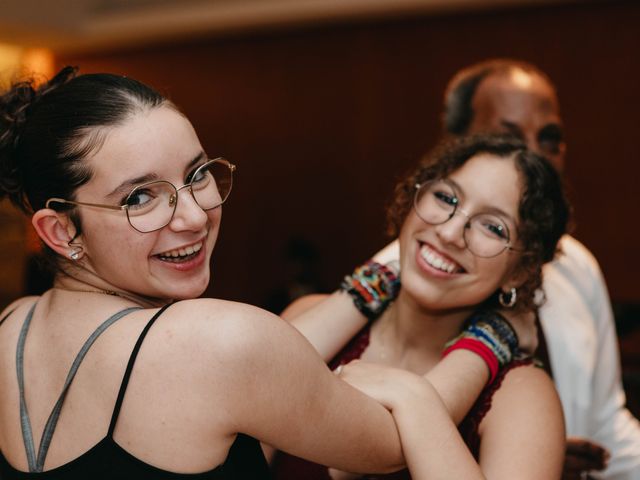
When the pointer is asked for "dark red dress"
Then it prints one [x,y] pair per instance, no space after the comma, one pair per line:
[288,467]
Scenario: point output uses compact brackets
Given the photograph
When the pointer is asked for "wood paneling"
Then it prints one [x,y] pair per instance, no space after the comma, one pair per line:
[322,120]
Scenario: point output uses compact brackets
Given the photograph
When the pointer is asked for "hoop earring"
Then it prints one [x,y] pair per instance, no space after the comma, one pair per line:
[508,299]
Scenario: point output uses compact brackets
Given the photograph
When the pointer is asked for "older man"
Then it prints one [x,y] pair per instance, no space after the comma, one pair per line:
[517,98]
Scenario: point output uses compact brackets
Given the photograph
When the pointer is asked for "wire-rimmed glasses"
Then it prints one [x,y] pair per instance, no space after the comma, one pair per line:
[151,206]
[485,234]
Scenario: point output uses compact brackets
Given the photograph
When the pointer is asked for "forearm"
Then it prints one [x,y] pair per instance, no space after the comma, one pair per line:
[432,446]
[459,378]
[327,322]
[306,410]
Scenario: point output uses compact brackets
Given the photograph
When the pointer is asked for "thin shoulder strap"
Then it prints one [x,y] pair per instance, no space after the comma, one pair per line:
[36,463]
[6,316]
[127,373]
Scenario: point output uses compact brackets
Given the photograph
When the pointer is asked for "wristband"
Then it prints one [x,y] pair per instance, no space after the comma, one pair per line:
[372,287]
[479,349]
[489,335]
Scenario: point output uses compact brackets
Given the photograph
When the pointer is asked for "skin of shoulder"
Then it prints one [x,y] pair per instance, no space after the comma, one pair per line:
[272,385]
[17,304]
[522,435]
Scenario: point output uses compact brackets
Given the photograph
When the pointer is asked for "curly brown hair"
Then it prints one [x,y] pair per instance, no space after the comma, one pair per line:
[544,211]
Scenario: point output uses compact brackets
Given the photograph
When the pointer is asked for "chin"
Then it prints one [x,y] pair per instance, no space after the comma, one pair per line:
[191,291]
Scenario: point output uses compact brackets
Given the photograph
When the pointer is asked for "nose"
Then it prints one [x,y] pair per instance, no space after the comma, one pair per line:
[452,231]
[188,214]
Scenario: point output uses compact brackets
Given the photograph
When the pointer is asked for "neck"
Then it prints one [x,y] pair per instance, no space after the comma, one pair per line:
[412,326]
[96,285]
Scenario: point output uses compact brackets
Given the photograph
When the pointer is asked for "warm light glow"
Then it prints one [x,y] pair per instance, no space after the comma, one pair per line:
[19,62]
[18,238]
[10,59]
[37,63]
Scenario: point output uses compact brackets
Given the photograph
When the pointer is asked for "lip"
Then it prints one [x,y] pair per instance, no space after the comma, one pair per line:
[433,271]
[192,263]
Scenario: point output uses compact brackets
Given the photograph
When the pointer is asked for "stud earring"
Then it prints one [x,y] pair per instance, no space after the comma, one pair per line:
[75,254]
[508,299]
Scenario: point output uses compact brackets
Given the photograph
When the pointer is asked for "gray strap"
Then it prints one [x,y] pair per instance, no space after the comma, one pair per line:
[36,464]
[6,316]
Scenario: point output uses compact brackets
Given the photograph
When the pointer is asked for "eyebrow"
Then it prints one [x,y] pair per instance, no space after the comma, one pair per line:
[514,128]
[491,209]
[125,187]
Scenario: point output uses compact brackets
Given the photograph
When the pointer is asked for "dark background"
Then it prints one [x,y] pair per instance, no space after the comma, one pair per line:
[321,120]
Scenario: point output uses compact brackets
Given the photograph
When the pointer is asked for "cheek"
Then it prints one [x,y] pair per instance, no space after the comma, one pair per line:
[497,271]
[405,237]
[214,220]
[116,241]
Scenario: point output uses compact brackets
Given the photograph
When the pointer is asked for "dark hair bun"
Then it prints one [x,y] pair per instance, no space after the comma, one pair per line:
[15,107]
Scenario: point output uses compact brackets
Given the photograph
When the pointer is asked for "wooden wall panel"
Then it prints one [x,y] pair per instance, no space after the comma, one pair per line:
[322,120]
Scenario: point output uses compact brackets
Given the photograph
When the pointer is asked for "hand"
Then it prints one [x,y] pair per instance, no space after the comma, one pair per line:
[387,385]
[390,253]
[582,457]
[525,326]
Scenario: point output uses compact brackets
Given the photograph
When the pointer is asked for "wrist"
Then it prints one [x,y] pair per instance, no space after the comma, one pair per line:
[408,390]
[372,287]
[489,336]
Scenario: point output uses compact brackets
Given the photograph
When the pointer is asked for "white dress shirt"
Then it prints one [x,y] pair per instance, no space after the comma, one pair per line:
[583,349]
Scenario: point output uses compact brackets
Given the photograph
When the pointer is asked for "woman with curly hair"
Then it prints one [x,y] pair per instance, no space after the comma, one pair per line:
[475,221]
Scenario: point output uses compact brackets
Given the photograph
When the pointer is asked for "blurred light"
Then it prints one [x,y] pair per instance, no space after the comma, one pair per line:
[37,63]
[17,62]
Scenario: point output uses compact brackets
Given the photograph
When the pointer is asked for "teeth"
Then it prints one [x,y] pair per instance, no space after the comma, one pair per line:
[182,252]
[436,261]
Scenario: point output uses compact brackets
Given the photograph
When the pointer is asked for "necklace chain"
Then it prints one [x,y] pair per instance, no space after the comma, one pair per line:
[104,292]
[130,297]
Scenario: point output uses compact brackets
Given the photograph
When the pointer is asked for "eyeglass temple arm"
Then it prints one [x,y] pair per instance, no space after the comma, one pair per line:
[70,202]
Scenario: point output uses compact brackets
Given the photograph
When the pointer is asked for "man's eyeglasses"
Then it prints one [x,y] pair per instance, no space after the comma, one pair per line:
[485,235]
[151,206]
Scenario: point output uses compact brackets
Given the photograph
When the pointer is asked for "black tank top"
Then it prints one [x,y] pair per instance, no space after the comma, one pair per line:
[107,459]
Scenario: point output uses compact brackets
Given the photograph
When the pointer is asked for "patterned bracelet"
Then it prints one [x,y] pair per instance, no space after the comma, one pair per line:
[489,335]
[372,287]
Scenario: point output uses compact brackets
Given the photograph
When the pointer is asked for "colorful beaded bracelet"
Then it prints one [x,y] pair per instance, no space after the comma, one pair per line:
[372,287]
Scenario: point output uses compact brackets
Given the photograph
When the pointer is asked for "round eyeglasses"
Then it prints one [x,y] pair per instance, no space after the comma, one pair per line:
[485,235]
[151,206]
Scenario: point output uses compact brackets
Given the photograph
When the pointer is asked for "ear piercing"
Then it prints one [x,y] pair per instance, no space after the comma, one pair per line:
[75,254]
[508,299]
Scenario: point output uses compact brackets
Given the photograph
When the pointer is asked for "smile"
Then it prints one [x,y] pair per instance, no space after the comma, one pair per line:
[181,254]
[437,261]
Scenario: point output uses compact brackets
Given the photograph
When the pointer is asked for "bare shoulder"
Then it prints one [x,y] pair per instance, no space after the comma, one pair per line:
[227,331]
[524,429]
[302,304]
[526,400]
[16,304]
[213,318]
[528,376]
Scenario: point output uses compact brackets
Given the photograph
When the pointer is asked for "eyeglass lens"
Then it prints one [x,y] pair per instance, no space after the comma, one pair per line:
[486,235]
[151,206]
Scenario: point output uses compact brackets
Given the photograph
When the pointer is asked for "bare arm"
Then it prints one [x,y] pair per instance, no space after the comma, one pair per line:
[330,321]
[431,443]
[327,321]
[523,436]
[280,392]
